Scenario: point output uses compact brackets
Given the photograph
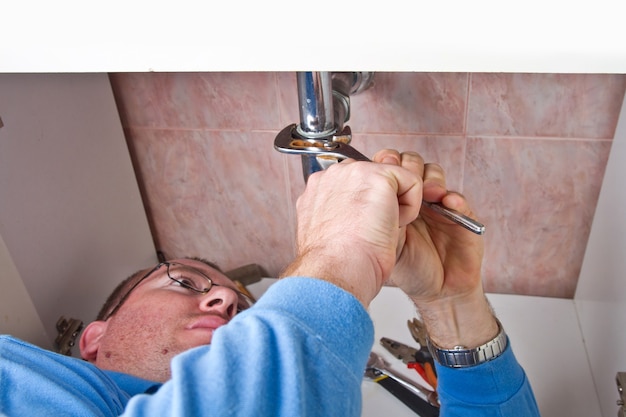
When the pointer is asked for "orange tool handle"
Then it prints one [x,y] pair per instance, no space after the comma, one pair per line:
[431,377]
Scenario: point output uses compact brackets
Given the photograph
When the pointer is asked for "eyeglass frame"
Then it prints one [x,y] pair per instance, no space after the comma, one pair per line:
[184,285]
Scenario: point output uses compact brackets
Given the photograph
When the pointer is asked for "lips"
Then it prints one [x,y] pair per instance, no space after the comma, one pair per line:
[211,322]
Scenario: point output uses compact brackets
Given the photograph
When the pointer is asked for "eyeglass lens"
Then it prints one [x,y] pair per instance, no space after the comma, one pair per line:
[197,281]
[189,277]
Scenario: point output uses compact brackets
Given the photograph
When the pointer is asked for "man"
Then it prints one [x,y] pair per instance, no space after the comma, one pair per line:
[162,346]
[130,334]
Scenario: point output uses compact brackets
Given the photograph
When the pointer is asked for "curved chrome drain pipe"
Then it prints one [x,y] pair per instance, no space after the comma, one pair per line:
[324,100]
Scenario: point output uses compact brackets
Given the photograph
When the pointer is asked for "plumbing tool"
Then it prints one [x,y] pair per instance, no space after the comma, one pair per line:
[419,399]
[419,359]
[329,152]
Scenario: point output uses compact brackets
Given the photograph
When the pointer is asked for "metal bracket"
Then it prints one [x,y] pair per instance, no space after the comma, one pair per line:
[68,329]
[620,379]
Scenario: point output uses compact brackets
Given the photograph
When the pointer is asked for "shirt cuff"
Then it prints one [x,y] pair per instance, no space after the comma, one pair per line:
[493,382]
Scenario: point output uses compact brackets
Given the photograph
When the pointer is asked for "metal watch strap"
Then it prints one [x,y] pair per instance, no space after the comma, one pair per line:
[461,357]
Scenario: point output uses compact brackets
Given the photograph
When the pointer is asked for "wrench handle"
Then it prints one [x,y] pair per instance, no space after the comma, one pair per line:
[408,398]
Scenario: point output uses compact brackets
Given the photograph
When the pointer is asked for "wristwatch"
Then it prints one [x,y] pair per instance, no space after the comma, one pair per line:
[462,357]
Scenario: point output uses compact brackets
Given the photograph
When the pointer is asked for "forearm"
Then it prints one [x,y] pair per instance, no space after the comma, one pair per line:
[497,387]
[460,320]
[286,356]
[323,264]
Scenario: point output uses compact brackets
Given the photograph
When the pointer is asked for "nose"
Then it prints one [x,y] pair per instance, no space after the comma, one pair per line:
[221,299]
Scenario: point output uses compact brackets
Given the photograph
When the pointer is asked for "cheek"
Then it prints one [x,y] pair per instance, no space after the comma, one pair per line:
[135,324]
[151,313]
[139,333]
[158,305]
[146,316]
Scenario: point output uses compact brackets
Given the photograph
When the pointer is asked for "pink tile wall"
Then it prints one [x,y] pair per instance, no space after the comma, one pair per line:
[528,150]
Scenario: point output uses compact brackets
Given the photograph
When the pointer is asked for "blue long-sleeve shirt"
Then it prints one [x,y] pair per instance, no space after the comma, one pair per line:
[300,351]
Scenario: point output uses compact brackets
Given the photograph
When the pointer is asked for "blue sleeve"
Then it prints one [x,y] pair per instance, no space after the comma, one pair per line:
[38,382]
[286,356]
[498,388]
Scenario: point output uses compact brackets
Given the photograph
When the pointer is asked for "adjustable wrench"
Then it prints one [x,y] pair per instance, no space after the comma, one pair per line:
[336,150]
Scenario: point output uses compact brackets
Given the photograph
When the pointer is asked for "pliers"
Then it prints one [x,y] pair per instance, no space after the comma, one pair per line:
[419,359]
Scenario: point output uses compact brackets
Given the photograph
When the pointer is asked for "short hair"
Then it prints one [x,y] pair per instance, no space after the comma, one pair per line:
[121,290]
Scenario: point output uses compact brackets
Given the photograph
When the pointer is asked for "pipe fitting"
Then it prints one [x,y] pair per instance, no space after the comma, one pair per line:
[324,101]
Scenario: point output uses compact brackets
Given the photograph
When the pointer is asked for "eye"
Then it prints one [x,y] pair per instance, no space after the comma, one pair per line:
[186,283]
[189,278]
[190,282]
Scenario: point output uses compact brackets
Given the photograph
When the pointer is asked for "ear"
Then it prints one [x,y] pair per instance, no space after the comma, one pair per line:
[90,340]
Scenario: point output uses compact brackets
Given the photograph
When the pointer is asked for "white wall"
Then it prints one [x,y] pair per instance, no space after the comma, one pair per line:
[601,293]
[71,214]
[556,36]
[18,313]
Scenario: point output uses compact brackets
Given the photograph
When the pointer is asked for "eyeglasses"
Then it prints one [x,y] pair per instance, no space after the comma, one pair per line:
[189,278]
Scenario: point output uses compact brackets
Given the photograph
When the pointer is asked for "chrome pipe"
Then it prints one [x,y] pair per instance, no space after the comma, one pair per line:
[324,102]
[317,120]
[315,98]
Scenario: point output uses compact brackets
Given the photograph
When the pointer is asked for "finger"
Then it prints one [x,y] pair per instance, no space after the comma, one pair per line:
[434,182]
[410,191]
[387,156]
[408,188]
[413,162]
[401,242]
[458,202]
